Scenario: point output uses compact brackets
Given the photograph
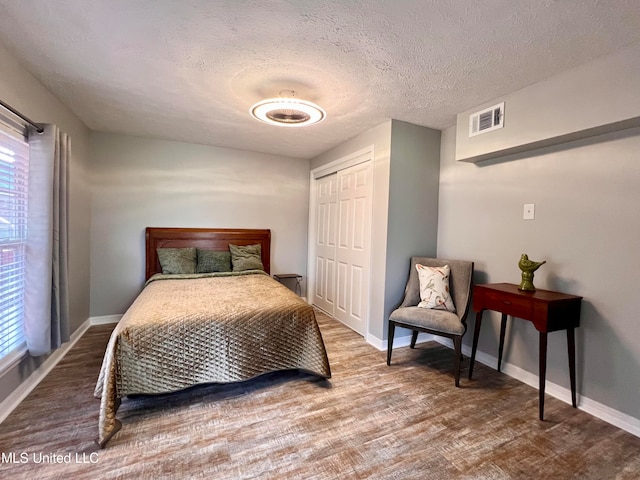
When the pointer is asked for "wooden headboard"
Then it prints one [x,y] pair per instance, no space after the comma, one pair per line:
[205,238]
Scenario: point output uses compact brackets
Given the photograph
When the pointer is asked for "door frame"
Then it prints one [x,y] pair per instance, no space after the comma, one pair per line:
[360,156]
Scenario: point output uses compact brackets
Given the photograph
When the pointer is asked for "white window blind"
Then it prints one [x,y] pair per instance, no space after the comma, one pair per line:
[14,175]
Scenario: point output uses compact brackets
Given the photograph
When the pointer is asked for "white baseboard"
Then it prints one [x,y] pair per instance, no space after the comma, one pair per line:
[27,386]
[398,341]
[614,417]
[105,319]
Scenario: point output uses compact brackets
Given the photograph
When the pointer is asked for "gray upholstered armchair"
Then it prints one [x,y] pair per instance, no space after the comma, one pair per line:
[435,322]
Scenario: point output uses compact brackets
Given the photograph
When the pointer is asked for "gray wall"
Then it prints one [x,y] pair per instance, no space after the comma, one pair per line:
[586,227]
[140,182]
[22,91]
[413,205]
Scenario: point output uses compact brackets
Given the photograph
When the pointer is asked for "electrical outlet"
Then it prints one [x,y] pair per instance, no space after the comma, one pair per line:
[529,211]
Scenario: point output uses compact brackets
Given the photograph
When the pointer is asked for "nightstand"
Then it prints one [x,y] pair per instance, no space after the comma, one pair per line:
[287,276]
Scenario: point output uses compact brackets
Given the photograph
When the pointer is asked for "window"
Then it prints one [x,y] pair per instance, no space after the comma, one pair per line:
[14,175]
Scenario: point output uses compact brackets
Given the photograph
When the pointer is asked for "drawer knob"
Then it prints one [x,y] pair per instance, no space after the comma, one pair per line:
[506,302]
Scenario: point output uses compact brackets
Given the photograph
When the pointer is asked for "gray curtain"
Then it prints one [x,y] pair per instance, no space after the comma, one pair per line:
[47,272]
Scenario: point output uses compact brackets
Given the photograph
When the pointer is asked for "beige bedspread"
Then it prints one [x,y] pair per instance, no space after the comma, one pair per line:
[198,329]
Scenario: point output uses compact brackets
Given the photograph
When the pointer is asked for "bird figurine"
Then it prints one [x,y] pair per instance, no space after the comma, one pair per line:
[528,267]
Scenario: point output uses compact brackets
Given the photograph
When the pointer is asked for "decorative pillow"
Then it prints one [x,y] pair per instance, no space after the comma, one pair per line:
[177,260]
[434,288]
[213,261]
[246,257]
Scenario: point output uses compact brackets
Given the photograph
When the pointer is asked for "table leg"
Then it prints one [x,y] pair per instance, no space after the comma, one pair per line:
[503,328]
[571,347]
[542,370]
[476,334]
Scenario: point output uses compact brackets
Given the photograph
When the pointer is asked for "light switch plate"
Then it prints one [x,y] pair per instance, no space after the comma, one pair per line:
[529,211]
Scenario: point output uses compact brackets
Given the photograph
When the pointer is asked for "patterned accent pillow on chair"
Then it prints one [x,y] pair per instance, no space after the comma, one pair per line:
[434,288]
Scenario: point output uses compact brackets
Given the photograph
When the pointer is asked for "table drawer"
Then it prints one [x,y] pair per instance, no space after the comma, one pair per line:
[516,306]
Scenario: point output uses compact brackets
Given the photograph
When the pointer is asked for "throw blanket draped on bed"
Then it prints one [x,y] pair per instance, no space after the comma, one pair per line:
[184,330]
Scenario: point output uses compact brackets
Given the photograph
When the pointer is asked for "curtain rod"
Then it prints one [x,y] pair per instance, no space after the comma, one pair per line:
[38,128]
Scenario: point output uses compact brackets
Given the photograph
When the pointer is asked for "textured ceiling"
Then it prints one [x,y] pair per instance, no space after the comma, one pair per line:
[190,70]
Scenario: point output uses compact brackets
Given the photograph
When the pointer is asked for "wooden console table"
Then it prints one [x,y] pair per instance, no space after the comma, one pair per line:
[548,311]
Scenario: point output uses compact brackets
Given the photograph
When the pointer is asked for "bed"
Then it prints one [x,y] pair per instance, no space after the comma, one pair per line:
[196,328]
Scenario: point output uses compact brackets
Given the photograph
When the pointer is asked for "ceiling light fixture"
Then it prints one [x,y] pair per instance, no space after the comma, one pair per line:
[287,111]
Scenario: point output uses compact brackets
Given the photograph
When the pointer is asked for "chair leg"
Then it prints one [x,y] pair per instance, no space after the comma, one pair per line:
[392,331]
[414,338]
[457,344]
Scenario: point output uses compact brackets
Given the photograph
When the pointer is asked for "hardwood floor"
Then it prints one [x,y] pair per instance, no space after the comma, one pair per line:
[369,420]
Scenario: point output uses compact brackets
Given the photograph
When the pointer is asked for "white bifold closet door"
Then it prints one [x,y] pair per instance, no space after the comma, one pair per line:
[343,244]
[325,245]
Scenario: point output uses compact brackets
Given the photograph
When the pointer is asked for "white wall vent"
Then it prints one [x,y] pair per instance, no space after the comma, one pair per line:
[486,120]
